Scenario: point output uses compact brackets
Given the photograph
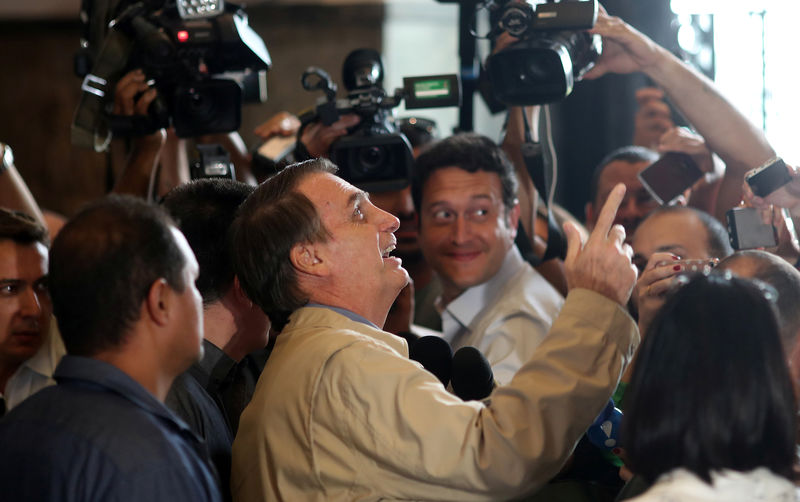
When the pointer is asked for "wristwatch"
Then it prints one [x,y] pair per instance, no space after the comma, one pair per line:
[6,157]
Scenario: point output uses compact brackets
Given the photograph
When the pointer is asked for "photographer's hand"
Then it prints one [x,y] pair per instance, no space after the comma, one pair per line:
[145,151]
[128,87]
[317,138]
[653,117]
[788,246]
[787,196]
[280,124]
[625,50]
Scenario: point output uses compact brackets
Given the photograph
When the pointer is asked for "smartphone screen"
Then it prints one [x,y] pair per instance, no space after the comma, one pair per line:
[747,231]
[769,177]
[670,176]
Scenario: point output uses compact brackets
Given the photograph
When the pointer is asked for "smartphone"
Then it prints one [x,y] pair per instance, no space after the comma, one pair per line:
[747,231]
[669,176]
[768,177]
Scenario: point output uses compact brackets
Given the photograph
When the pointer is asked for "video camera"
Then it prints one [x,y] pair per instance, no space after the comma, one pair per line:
[553,52]
[374,155]
[201,56]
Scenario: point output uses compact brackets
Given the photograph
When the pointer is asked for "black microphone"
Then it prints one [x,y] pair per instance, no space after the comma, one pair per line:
[435,355]
[472,377]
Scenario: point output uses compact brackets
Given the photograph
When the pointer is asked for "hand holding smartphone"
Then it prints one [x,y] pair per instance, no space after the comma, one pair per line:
[669,176]
[768,177]
[746,229]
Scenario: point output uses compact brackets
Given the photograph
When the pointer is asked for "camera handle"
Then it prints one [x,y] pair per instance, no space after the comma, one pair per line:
[542,173]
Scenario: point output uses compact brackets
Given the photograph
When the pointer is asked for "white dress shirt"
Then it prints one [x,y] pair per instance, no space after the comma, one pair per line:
[506,317]
[37,372]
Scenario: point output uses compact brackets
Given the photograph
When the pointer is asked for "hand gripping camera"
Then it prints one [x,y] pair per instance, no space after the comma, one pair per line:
[374,155]
[201,55]
[553,52]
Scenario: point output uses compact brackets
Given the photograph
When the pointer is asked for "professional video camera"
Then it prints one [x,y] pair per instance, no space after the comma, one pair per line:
[374,155]
[554,50]
[201,56]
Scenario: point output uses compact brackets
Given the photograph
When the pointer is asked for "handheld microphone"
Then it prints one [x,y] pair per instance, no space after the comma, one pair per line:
[435,355]
[472,375]
[604,431]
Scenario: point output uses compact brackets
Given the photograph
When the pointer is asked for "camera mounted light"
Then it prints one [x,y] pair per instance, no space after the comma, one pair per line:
[199,9]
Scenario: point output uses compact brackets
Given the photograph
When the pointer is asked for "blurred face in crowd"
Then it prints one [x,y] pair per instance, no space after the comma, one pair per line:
[465,229]
[680,233]
[356,255]
[637,202]
[25,307]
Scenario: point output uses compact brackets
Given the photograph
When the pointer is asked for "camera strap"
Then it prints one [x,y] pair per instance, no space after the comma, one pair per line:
[90,119]
[541,170]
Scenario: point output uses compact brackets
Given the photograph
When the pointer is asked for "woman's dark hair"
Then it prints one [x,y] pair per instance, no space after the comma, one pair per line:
[711,388]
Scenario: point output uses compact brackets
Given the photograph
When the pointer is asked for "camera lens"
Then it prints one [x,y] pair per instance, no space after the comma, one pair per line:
[515,21]
[371,158]
[200,104]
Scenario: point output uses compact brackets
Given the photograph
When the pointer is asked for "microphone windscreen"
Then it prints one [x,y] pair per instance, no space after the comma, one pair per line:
[472,377]
[435,355]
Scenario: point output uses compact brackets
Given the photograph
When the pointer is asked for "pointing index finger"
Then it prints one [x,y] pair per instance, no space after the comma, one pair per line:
[606,218]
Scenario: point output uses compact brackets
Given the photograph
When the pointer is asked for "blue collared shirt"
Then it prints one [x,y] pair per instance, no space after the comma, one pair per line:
[100,436]
[347,313]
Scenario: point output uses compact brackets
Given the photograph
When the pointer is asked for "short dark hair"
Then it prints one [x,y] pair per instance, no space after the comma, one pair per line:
[779,274]
[22,228]
[102,266]
[711,388]
[273,219]
[717,241]
[470,152]
[631,154]
[204,210]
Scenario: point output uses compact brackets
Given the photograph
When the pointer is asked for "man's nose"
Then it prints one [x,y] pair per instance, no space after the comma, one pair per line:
[460,230]
[388,221]
[30,306]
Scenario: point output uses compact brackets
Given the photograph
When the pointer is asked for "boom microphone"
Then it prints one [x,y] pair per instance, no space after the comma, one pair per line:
[435,355]
[472,377]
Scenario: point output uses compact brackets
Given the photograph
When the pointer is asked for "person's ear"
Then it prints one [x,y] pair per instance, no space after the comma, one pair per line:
[157,301]
[306,259]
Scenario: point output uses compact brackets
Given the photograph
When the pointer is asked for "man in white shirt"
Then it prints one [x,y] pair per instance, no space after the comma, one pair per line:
[466,192]
[29,349]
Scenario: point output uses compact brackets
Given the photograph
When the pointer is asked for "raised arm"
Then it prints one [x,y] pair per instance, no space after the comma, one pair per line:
[14,193]
[728,133]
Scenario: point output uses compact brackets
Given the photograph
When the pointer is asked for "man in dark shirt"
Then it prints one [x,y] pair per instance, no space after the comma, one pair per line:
[211,395]
[122,286]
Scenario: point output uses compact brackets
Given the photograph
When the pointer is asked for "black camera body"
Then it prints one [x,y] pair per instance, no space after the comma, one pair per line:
[203,64]
[374,156]
[554,50]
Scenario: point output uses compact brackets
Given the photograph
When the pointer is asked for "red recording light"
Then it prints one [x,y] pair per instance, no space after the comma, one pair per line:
[183,36]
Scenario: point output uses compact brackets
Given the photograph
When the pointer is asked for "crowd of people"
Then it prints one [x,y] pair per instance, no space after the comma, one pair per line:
[260,339]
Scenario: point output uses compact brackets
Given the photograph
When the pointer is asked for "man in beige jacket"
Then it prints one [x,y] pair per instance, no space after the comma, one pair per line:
[341,413]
